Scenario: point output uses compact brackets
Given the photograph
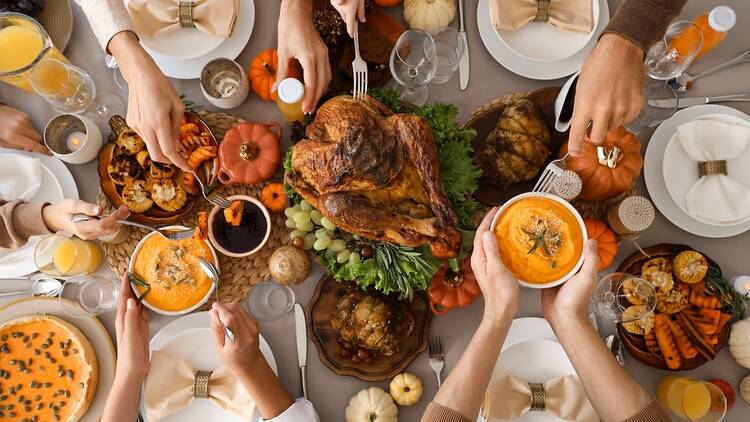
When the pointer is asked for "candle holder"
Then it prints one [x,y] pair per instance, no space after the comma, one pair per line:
[73,139]
[224,83]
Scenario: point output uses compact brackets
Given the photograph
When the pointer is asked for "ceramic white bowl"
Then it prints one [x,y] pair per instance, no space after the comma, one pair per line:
[145,300]
[217,211]
[570,208]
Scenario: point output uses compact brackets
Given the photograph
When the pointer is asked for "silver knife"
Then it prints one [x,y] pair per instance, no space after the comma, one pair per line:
[463,65]
[301,330]
[684,102]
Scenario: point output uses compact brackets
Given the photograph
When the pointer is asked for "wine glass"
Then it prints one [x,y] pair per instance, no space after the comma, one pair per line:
[450,49]
[670,57]
[617,292]
[413,64]
[89,295]
[660,103]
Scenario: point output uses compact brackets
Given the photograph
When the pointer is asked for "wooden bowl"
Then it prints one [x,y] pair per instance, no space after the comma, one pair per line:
[155,215]
[635,344]
[484,119]
[318,313]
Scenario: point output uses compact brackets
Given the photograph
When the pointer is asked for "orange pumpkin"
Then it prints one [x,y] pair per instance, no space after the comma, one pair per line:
[262,73]
[250,153]
[451,289]
[609,169]
[605,239]
[387,3]
[273,197]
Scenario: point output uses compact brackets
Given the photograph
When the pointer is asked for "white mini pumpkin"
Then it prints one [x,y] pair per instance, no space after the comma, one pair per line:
[739,342]
[429,14]
[406,389]
[371,405]
[745,389]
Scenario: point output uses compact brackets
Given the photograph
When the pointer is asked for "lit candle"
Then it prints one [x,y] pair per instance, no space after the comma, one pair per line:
[741,284]
[75,141]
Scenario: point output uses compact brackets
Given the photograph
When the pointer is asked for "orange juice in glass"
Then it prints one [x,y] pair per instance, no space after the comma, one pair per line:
[691,398]
[23,44]
[58,255]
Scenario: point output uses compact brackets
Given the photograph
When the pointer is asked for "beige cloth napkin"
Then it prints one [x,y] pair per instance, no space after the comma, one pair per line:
[716,197]
[509,398]
[169,389]
[154,17]
[20,177]
[569,15]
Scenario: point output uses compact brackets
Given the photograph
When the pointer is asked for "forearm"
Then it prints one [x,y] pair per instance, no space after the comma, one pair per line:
[262,384]
[644,21]
[124,399]
[463,390]
[300,5]
[596,368]
[129,54]
[18,221]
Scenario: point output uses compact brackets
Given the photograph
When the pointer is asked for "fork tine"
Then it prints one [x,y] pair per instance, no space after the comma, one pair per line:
[540,180]
[440,347]
[548,184]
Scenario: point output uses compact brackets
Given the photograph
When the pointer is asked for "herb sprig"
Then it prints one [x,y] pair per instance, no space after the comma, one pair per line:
[140,283]
[720,287]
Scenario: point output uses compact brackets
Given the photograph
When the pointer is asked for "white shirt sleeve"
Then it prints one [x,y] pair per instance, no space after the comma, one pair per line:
[301,411]
[107,18]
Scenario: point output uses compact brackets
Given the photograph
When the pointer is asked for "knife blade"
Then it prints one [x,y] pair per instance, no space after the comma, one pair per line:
[300,328]
[463,65]
[684,102]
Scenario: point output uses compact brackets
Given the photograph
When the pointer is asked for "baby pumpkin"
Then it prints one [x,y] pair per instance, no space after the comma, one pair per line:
[250,153]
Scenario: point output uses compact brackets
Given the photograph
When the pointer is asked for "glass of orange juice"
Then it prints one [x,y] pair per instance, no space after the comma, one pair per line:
[23,44]
[59,255]
[691,398]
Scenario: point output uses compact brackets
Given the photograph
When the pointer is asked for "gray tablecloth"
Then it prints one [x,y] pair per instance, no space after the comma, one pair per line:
[329,392]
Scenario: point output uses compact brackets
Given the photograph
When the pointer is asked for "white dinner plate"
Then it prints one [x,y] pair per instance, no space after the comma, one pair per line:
[57,184]
[681,172]
[91,328]
[190,338]
[231,47]
[531,68]
[532,41]
[654,176]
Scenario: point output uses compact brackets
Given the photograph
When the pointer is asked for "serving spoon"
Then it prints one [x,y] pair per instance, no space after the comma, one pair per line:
[43,287]
[213,274]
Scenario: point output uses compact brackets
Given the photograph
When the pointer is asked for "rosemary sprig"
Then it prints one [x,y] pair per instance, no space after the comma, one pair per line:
[540,240]
[140,283]
[720,287]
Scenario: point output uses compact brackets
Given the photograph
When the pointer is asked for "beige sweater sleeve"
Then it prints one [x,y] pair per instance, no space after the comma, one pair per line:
[644,21]
[107,18]
[18,221]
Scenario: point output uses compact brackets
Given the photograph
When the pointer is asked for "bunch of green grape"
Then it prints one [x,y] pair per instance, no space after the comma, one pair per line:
[312,231]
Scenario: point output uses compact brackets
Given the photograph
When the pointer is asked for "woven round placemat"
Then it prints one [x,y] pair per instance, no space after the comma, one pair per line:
[598,210]
[238,275]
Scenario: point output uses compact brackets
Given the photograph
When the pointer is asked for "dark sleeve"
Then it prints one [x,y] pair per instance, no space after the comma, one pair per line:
[438,413]
[653,412]
[644,21]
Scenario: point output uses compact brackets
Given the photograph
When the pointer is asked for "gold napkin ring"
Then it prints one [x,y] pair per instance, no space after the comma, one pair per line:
[185,14]
[542,11]
[538,398]
[200,388]
[707,168]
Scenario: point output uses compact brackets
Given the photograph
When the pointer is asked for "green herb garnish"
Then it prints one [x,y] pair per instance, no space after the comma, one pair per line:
[140,283]
[720,287]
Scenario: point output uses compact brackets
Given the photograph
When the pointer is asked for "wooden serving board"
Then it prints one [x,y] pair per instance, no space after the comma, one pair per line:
[636,344]
[318,314]
[484,119]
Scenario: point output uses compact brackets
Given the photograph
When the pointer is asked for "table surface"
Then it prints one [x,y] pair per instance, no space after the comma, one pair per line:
[329,392]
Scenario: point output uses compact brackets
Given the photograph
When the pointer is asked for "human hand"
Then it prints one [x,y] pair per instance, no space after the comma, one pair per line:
[350,11]
[242,354]
[571,299]
[131,326]
[609,92]
[57,218]
[499,286]
[154,108]
[17,132]
[298,39]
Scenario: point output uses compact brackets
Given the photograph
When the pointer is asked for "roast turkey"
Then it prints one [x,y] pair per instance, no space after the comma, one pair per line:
[375,174]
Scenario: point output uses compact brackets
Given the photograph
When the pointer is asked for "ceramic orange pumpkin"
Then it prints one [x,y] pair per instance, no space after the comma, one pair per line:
[451,289]
[262,73]
[609,169]
[605,239]
[250,153]
[273,197]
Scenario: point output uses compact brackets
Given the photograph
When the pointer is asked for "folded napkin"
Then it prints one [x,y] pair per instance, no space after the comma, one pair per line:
[509,398]
[20,177]
[711,143]
[172,384]
[155,17]
[569,15]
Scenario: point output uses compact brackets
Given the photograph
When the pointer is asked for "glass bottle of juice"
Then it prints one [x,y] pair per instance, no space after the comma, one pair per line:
[289,99]
[714,25]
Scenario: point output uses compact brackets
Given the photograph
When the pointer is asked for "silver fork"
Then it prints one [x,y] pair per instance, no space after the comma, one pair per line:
[547,179]
[210,269]
[359,68]
[167,233]
[211,196]
[435,351]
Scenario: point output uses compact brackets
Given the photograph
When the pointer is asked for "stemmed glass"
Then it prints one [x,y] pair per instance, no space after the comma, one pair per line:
[617,292]
[450,50]
[660,103]
[671,56]
[413,64]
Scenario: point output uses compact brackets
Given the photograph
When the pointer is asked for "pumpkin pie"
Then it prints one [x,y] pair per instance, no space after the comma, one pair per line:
[48,370]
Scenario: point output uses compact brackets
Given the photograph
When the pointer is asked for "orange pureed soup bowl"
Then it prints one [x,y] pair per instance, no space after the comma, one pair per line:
[541,238]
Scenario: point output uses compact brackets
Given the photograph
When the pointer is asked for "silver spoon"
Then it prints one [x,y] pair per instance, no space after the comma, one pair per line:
[213,274]
[43,287]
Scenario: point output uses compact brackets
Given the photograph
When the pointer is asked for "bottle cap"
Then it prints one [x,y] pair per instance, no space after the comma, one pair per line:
[722,18]
[291,90]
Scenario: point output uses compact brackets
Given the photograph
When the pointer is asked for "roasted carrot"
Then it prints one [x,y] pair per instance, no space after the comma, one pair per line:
[189,129]
[233,214]
[704,301]
[667,342]
[200,155]
[652,345]
[686,347]
[201,230]
[706,320]
[723,321]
